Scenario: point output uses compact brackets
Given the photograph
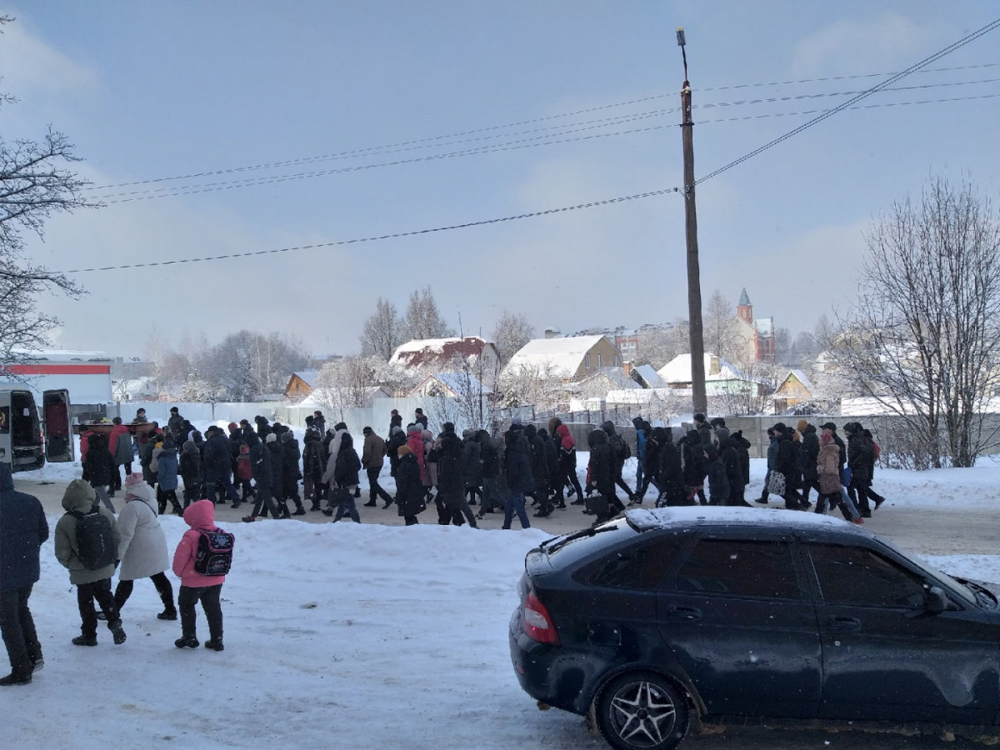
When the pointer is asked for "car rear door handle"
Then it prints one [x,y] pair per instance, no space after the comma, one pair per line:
[848,624]
[683,613]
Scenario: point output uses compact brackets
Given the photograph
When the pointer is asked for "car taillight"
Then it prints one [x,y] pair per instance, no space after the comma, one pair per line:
[536,622]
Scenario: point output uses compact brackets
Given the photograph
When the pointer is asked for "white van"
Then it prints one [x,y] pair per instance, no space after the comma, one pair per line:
[26,440]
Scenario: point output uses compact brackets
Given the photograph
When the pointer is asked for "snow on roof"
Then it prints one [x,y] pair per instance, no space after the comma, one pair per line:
[560,357]
[63,355]
[657,518]
[459,383]
[309,377]
[640,396]
[424,352]
[802,378]
[678,370]
[650,376]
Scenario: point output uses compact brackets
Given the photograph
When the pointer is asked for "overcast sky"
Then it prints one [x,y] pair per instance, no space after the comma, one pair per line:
[149,91]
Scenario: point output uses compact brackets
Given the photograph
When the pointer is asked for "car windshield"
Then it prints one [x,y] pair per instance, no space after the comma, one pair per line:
[954,587]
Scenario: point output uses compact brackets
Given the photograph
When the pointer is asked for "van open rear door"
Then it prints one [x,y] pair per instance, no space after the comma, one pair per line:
[58,430]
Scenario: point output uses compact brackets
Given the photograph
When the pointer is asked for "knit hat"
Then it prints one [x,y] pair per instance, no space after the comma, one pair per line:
[779,427]
[801,426]
[367,430]
[173,410]
[133,479]
[403,450]
[448,427]
[828,426]
[271,437]
[233,426]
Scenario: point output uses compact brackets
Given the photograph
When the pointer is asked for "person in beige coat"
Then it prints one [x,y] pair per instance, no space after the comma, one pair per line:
[80,499]
[142,547]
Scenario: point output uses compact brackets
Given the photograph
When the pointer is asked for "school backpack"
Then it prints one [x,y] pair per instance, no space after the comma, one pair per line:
[620,447]
[95,539]
[215,552]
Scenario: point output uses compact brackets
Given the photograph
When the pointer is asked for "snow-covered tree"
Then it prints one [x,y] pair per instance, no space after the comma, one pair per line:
[383,331]
[423,319]
[511,332]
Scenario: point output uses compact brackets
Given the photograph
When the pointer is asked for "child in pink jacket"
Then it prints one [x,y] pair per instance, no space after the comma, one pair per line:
[195,586]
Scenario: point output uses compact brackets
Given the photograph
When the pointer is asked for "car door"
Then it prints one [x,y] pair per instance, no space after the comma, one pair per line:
[737,617]
[884,656]
[58,431]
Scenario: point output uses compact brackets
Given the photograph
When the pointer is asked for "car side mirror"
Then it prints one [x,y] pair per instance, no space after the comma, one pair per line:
[935,601]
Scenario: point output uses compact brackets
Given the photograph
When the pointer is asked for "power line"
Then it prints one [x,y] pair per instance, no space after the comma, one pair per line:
[430,141]
[534,142]
[854,100]
[379,238]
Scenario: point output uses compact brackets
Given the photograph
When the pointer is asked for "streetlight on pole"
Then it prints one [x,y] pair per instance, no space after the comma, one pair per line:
[698,396]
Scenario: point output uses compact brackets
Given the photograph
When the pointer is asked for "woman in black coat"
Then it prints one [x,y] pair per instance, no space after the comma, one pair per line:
[98,468]
[409,489]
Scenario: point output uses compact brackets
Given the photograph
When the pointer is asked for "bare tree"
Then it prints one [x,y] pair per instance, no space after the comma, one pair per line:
[347,383]
[511,332]
[33,186]
[383,331]
[658,346]
[924,335]
[423,320]
[247,365]
[721,333]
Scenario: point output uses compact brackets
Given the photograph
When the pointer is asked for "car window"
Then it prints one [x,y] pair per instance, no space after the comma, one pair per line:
[860,577]
[740,567]
[640,566]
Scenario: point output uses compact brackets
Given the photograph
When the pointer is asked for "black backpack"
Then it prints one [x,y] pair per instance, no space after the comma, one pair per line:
[215,552]
[95,539]
[620,447]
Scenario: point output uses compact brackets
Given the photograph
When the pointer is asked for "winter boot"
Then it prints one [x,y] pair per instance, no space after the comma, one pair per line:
[169,610]
[215,644]
[299,511]
[187,641]
[85,640]
[117,632]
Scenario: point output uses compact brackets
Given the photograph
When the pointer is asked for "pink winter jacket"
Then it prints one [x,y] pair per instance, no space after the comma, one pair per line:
[199,515]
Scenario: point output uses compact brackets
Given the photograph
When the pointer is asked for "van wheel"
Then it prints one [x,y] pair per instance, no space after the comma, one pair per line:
[642,710]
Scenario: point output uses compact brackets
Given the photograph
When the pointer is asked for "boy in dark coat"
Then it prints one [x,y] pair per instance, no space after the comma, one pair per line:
[99,469]
[718,482]
[409,488]
[346,478]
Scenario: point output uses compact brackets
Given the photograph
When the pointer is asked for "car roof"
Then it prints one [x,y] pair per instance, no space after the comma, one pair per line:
[643,519]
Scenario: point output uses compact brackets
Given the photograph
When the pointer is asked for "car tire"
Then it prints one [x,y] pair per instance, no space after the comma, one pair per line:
[642,711]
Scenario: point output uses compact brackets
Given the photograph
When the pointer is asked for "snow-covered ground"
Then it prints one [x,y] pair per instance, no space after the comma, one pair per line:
[340,635]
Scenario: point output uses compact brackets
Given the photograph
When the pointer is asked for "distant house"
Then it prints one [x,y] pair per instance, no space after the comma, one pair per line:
[301,384]
[721,376]
[450,385]
[794,389]
[569,359]
[440,355]
[647,377]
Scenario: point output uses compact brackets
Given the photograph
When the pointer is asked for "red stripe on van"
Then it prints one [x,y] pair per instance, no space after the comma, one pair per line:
[68,369]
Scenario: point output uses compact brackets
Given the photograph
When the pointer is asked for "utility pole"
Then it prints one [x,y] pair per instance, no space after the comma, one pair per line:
[698,396]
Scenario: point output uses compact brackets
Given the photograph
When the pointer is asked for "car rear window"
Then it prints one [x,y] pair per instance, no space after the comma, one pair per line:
[570,549]
[639,566]
[740,567]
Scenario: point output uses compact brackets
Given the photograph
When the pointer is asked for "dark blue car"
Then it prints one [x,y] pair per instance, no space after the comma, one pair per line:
[732,614]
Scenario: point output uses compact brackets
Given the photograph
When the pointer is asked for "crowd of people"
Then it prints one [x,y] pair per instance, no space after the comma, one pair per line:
[262,462]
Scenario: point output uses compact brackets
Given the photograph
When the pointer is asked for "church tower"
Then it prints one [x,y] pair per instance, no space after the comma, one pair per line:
[744,310]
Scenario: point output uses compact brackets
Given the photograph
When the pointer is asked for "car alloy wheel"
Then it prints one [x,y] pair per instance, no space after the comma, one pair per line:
[642,711]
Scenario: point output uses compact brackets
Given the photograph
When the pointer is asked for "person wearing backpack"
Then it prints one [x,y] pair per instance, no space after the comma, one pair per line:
[142,547]
[86,541]
[23,530]
[120,445]
[620,452]
[198,583]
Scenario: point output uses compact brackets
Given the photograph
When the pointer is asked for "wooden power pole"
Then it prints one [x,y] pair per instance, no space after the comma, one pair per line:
[698,396]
